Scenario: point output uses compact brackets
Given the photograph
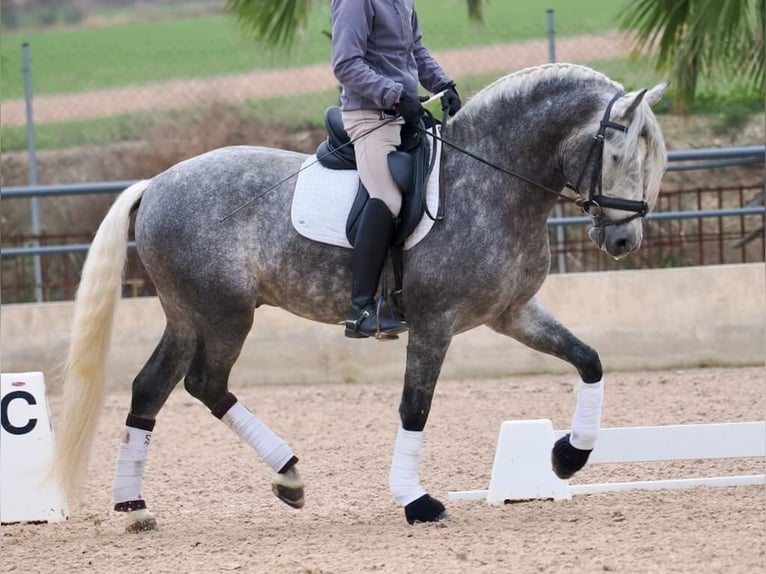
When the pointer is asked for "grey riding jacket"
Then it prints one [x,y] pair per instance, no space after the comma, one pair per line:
[377,53]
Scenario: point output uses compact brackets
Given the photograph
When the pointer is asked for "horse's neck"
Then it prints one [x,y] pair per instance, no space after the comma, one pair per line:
[518,153]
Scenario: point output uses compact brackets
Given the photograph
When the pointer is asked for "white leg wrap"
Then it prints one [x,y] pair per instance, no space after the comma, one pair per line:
[131,460]
[403,479]
[271,448]
[586,421]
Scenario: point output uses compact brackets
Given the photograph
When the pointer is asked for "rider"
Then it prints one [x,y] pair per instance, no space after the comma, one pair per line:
[379,60]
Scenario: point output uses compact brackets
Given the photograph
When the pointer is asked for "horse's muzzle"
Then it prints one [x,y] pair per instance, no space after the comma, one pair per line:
[596,235]
[618,241]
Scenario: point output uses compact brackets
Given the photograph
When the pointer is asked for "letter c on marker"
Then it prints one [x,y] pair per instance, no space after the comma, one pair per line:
[6,422]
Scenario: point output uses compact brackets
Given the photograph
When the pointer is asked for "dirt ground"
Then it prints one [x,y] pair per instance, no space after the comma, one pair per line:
[216,512]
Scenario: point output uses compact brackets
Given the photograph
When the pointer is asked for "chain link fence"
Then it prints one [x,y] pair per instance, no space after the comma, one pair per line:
[109,68]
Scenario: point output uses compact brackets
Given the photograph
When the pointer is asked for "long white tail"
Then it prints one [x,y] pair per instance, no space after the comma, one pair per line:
[95,302]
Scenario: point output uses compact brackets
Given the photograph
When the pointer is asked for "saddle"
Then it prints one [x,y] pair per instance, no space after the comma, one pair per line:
[410,166]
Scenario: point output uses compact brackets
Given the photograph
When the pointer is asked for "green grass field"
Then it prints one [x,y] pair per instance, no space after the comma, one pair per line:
[733,102]
[82,59]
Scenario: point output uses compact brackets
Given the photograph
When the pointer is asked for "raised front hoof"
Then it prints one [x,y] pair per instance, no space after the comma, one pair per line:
[425,509]
[566,459]
[288,487]
[140,521]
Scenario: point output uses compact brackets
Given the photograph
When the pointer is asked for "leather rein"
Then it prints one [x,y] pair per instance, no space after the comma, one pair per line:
[595,202]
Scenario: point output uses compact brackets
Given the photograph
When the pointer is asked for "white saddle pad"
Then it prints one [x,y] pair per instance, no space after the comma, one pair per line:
[323,199]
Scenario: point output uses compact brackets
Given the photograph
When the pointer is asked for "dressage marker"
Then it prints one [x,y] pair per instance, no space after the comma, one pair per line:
[28,494]
[522,469]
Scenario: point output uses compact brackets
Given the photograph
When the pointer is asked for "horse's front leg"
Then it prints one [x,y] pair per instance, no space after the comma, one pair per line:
[425,355]
[533,326]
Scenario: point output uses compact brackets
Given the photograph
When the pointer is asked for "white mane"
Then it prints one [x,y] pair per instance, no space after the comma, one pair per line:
[521,82]
[643,127]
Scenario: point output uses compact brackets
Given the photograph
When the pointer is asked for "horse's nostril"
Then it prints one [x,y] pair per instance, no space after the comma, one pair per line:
[619,248]
[622,244]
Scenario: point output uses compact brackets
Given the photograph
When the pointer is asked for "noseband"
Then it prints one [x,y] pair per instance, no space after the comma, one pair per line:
[594,204]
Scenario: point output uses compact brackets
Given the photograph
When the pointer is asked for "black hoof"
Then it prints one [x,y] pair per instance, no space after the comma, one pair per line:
[140,521]
[425,509]
[288,487]
[566,459]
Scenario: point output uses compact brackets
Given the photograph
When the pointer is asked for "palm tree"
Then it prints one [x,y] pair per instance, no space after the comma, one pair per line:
[275,21]
[696,38]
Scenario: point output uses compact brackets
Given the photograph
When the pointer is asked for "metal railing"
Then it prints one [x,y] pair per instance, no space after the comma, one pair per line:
[567,247]
[685,160]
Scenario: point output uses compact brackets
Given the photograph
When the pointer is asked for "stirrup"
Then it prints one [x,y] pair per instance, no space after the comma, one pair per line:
[353,326]
[391,334]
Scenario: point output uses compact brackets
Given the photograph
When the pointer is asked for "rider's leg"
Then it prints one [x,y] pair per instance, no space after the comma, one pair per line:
[371,151]
[376,223]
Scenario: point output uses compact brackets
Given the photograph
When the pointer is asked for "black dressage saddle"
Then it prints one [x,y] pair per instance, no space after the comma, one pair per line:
[410,165]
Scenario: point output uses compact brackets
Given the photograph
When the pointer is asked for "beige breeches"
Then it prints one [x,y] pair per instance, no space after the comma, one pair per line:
[372,153]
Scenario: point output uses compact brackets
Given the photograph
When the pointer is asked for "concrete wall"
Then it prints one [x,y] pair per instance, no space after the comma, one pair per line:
[652,319]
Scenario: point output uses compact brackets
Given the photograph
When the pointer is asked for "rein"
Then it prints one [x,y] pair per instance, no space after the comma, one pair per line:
[596,202]
[593,205]
[500,168]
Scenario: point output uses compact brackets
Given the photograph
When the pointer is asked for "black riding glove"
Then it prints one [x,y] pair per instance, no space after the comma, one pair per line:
[451,100]
[410,109]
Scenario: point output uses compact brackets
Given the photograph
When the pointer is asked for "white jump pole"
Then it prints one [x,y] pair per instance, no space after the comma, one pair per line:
[522,468]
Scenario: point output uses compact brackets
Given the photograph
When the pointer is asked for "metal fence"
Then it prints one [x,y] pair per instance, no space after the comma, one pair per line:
[691,226]
[154,76]
[694,226]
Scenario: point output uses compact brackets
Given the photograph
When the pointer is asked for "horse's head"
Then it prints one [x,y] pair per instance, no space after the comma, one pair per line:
[621,166]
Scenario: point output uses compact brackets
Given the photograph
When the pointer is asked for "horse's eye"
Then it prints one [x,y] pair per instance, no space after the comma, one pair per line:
[615,158]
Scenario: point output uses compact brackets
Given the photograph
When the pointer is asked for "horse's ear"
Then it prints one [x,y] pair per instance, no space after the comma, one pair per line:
[655,94]
[627,104]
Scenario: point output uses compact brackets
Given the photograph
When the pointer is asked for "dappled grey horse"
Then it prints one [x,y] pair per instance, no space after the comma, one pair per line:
[507,155]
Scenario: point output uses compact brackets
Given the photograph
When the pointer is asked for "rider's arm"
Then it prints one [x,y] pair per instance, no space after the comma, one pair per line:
[351,27]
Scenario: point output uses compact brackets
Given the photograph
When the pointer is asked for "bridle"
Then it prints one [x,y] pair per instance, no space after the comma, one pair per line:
[595,202]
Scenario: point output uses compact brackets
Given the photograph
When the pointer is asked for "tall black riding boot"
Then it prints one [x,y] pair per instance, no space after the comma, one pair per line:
[373,237]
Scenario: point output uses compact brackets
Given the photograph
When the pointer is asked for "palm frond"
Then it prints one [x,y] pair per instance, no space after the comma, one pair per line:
[695,38]
[275,22]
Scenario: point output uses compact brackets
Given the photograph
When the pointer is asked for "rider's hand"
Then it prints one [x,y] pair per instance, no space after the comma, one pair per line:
[451,100]
[410,109]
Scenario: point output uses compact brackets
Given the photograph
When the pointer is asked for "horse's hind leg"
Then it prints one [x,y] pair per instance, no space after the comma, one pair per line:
[218,346]
[151,388]
[533,326]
